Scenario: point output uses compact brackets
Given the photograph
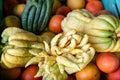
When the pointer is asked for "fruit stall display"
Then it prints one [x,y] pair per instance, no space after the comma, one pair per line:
[59,40]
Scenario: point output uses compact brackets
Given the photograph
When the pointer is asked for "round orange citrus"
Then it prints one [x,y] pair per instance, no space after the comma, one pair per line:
[107,62]
[55,23]
[94,6]
[18,10]
[90,72]
[114,75]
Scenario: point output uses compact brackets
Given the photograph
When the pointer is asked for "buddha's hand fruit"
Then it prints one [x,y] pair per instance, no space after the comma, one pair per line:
[18,46]
[69,52]
[103,30]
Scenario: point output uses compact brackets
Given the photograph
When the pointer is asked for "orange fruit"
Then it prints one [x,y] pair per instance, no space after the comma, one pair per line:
[114,75]
[18,9]
[90,72]
[76,4]
[107,62]
[94,6]
[55,23]
[63,10]
[30,72]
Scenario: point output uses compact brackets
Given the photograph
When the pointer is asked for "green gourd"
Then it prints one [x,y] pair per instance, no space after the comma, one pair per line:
[36,15]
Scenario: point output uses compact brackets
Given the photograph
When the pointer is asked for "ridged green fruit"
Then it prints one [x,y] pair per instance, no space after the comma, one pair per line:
[36,15]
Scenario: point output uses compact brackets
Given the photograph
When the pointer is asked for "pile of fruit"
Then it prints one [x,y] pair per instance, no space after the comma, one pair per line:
[59,40]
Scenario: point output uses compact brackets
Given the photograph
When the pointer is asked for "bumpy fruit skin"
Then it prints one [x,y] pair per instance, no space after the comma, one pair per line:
[103,30]
[67,53]
[19,43]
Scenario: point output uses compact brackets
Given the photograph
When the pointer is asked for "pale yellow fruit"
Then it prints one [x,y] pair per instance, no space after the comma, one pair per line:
[75,4]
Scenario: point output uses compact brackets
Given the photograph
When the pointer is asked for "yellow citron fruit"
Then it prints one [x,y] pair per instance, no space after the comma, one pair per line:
[76,4]
[18,9]
[56,5]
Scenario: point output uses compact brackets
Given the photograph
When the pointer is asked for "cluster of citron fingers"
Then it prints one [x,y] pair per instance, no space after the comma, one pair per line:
[67,53]
[18,44]
[72,48]
[103,30]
